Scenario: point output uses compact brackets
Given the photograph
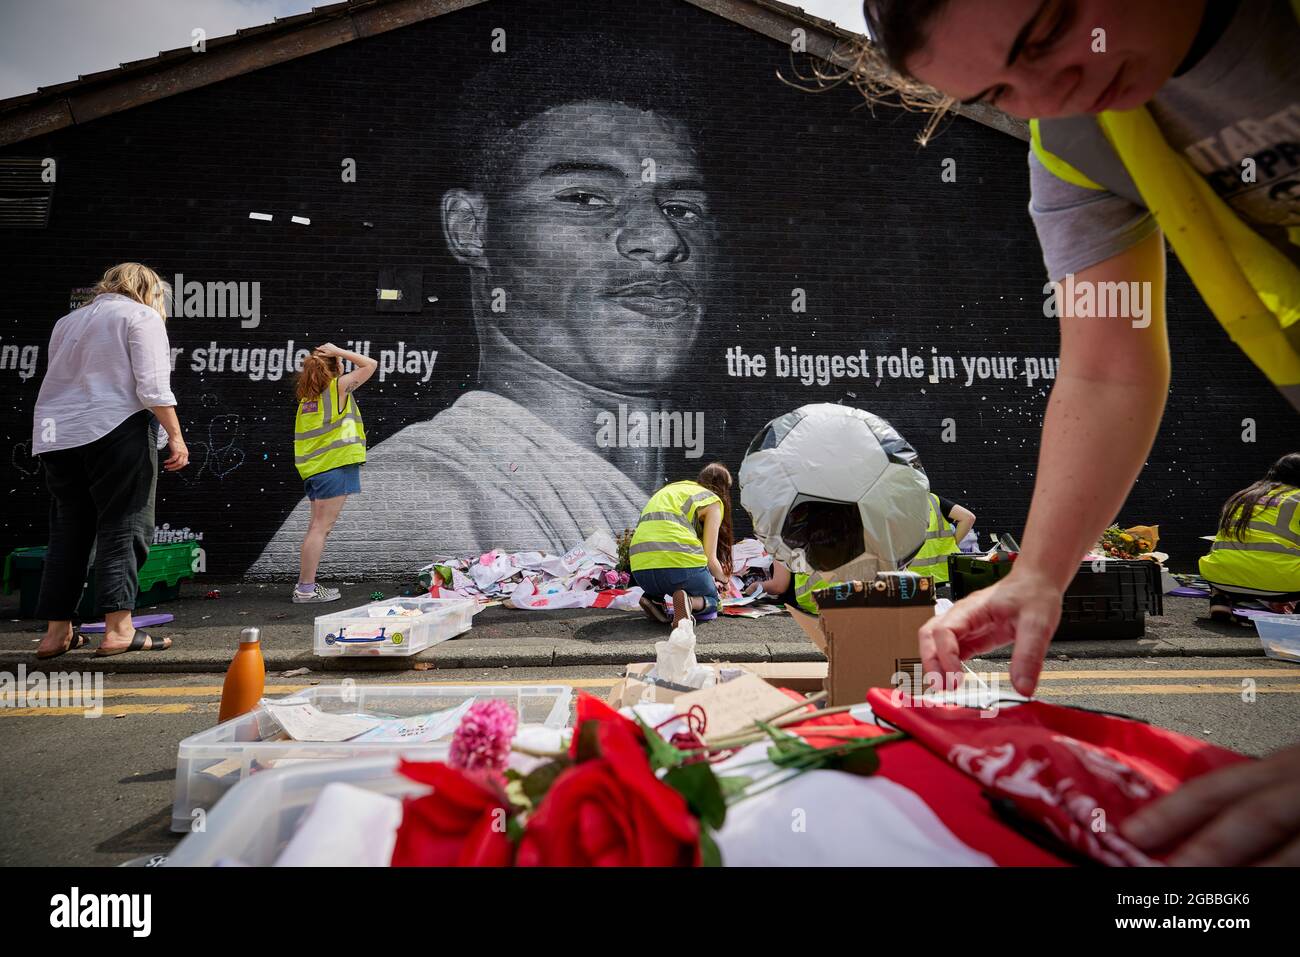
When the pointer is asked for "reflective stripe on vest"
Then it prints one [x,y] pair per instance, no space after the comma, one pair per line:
[668,534]
[932,559]
[325,438]
[1267,559]
[804,586]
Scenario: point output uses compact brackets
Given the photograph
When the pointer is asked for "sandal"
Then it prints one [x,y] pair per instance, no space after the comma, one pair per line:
[77,641]
[137,644]
[1222,613]
[653,610]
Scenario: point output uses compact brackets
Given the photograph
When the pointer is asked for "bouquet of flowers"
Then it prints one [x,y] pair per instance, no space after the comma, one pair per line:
[1127,543]
[624,541]
[620,795]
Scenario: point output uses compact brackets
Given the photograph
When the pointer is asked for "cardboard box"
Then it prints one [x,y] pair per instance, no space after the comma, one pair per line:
[866,644]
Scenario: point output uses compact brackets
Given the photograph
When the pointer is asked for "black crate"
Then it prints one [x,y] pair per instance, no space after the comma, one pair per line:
[1107,600]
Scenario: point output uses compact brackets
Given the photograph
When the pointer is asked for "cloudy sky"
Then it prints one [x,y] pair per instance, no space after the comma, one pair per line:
[43,42]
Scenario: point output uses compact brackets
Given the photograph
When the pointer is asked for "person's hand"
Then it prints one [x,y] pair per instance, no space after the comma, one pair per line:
[1023,607]
[329,349]
[754,589]
[180,455]
[1248,813]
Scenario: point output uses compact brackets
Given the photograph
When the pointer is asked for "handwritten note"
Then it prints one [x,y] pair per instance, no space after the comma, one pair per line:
[734,705]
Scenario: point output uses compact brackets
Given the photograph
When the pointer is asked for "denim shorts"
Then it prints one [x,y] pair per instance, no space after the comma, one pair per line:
[344,480]
[697,582]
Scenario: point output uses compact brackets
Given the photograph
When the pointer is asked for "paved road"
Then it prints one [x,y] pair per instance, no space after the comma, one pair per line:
[99,791]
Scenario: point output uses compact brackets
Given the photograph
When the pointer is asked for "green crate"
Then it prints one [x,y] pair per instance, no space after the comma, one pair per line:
[160,577]
[968,573]
[23,567]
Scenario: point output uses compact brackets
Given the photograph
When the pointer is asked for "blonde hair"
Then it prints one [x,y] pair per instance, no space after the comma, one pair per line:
[863,65]
[139,282]
[314,379]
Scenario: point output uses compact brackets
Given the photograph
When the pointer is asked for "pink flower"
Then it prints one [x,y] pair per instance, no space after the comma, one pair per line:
[482,741]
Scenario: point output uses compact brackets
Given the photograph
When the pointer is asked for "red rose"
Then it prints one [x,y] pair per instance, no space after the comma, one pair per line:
[611,810]
[460,824]
[590,708]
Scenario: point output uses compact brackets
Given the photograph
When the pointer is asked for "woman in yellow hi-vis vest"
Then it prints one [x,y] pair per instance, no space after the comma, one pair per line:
[682,546]
[1166,119]
[1256,552]
[941,539]
[329,447]
[792,588]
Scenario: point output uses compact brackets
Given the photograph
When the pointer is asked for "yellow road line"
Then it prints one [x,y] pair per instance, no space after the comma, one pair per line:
[110,711]
[1261,688]
[1157,673]
[188,707]
[88,694]
[200,691]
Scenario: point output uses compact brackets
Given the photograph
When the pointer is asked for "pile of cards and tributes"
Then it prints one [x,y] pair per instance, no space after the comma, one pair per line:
[855,761]
[592,574]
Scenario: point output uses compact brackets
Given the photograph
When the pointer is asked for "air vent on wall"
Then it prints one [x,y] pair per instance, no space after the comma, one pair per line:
[25,198]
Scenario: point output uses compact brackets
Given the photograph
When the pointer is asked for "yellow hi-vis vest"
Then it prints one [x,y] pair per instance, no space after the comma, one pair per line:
[669,533]
[804,586]
[1268,558]
[932,559]
[1251,287]
[325,438]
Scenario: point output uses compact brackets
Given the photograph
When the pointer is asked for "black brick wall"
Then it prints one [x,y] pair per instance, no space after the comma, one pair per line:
[807,191]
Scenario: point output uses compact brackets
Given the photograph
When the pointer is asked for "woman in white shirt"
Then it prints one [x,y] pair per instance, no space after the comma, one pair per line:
[109,367]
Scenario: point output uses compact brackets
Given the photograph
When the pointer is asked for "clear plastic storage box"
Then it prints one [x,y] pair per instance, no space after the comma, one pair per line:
[255,821]
[393,626]
[210,763]
[1280,636]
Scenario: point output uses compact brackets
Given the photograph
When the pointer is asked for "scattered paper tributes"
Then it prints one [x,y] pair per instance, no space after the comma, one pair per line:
[300,220]
[265,217]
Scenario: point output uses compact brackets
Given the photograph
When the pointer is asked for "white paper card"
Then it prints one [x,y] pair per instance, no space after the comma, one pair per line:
[305,722]
[419,729]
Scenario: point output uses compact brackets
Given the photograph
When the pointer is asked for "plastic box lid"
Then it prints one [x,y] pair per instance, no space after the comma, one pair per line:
[253,823]
[210,763]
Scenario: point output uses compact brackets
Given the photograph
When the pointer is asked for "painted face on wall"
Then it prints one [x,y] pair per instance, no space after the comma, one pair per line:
[1046,58]
[601,239]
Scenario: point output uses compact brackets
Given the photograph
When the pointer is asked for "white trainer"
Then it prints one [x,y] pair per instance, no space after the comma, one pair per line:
[318,594]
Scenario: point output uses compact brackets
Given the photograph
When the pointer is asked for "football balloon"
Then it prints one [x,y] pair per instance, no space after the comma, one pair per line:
[828,486]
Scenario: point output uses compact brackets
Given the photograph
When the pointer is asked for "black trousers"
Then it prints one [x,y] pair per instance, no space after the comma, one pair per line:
[101,501]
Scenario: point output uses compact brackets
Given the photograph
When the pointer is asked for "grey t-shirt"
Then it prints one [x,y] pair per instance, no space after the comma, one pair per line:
[1241,100]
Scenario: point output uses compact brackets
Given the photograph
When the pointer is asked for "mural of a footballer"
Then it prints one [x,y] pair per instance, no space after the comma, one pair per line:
[586,231]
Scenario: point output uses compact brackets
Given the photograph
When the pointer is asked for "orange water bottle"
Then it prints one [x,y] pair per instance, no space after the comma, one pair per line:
[245,678]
